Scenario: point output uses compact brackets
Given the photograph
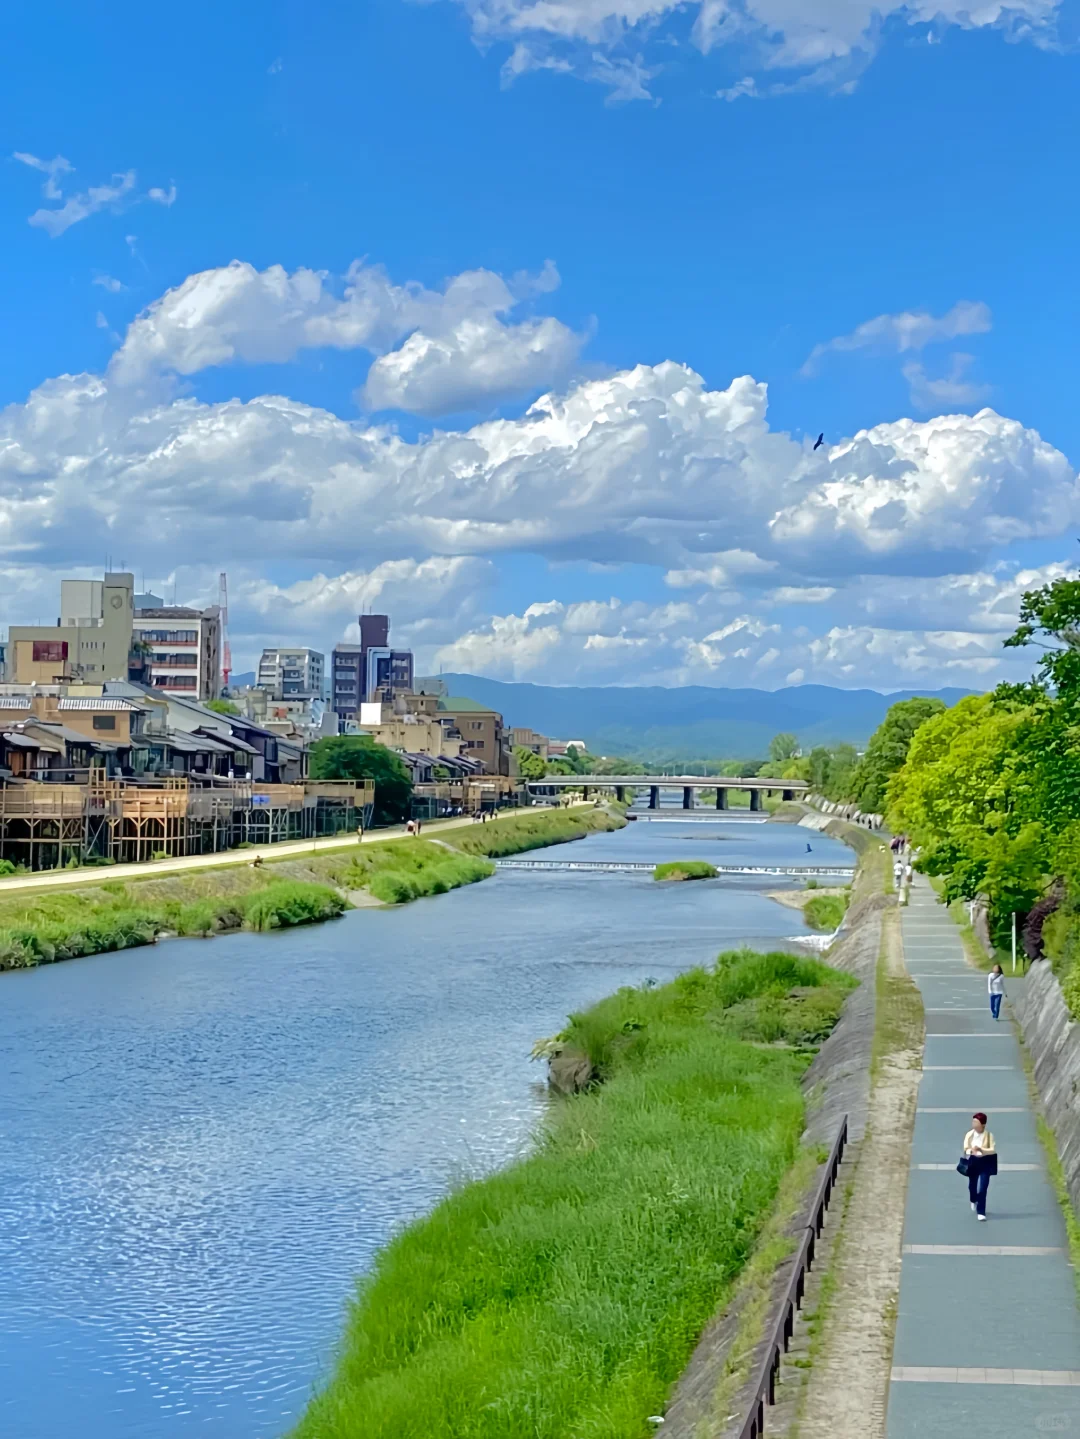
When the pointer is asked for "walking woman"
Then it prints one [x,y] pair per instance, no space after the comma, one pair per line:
[982,1163]
[995,984]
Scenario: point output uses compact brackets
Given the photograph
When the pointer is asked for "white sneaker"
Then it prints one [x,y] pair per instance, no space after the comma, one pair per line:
[982,1218]
[973,1209]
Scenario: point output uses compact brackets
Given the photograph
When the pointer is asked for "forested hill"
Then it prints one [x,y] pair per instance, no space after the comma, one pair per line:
[695,722]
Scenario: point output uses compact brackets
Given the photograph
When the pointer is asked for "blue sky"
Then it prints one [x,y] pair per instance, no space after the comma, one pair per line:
[441,212]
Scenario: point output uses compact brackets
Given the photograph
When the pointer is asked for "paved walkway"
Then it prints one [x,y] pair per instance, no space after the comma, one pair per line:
[988,1330]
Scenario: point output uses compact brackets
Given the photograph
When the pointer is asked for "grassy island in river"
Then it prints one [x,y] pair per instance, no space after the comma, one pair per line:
[563,1296]
[677,869]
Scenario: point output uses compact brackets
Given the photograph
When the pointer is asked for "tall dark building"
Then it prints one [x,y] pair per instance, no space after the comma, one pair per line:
[360,670]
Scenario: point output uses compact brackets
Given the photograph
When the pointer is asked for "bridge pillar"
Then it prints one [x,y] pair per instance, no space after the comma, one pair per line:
[721,798]
[584,791]
[789,794]
[687,797]
[755,800]
[620,793]
[654,796]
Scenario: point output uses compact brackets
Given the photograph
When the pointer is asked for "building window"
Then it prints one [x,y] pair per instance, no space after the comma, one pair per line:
[50,651]
[104,721]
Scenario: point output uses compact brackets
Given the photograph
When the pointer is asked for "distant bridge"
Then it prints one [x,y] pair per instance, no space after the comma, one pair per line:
[800,871]
[690,784]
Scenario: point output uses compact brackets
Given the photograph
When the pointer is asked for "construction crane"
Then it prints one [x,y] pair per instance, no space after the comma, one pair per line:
[223,607]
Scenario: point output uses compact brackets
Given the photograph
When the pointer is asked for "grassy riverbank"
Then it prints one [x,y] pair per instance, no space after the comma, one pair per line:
[42,926]
[563,1295]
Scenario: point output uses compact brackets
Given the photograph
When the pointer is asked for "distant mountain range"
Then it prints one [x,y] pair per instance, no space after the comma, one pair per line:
[695,722]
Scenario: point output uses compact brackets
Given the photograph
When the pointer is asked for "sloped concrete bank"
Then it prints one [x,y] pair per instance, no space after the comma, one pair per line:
[1052,1038]
[711,1398]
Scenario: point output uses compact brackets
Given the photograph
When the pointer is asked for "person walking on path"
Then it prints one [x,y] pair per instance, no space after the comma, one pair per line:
[995,984]
[982,1163]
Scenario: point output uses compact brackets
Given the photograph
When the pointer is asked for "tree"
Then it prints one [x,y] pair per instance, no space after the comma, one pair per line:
[888,749]
[358,757]
[530,765]
[1050,618]
[782,747]
[223,707]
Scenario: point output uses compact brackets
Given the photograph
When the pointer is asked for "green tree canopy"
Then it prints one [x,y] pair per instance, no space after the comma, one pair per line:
[1050,618]
[782,747]
[530,765]
[358,757]
[888,749]
[223,707]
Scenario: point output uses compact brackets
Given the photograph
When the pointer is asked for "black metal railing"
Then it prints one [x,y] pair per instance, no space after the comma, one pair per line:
[769,1368]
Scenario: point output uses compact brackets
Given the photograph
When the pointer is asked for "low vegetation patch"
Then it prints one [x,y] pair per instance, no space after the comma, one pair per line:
[563,1296]
[677,869]
[532,829]
[44,928]
[825,911]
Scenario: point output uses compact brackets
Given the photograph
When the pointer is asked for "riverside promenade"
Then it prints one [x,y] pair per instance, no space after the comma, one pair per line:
[988,1329]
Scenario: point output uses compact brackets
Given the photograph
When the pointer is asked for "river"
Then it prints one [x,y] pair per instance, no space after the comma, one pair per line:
[202,1143]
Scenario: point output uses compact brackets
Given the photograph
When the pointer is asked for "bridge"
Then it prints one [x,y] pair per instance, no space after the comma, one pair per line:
[690,784]
[614,866]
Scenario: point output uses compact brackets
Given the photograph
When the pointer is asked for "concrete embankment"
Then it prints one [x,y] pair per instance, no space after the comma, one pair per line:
[1052,1038]
[712,1397]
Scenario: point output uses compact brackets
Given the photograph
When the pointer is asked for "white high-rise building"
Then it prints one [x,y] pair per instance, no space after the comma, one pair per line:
[287,674]
[182,647]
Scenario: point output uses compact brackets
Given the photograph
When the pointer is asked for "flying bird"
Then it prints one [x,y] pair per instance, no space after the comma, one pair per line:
[819,441]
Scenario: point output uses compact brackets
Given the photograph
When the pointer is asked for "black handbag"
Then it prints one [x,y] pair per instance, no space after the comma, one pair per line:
[964,1166]
[990,1163]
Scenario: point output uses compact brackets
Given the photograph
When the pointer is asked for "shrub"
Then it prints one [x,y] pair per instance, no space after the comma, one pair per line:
[6,867]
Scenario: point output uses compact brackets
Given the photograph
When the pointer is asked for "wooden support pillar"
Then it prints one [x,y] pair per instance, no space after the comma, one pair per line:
[721,798]
[687,797]
[654,796]
[755,800]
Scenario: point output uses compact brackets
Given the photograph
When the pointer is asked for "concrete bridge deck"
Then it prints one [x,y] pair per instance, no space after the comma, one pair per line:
[690,784]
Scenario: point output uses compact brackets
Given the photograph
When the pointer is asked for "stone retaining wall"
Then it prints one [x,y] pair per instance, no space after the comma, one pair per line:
[1052,1038]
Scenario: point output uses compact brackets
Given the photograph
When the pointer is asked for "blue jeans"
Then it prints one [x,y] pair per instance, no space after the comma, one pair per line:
[995,1005]
[978,1184]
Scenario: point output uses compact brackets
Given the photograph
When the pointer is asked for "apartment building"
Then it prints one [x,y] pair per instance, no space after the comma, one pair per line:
[483,735]
[90,641]
[361,672]
[181,647]
[524,738]
[287,674]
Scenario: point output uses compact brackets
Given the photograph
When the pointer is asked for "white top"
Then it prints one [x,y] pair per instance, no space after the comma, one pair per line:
[995,983]
[984,1141]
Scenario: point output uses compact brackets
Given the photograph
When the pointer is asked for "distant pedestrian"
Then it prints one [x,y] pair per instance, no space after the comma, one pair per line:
[995,984]
[982,1163]
[898,872]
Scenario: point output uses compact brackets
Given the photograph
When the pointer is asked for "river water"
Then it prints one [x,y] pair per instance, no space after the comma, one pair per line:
[203,1143]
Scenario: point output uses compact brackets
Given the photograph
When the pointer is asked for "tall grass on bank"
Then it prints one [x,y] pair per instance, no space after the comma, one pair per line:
[561,1298]
[68,925]
[532,829]
[825,911]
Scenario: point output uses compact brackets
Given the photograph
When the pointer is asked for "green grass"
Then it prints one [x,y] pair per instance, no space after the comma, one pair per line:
[531,829]
[677,869]
[825,911]
[45,928]
[561,1297]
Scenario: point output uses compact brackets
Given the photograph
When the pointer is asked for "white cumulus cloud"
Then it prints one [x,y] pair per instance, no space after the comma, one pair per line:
[459,351]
